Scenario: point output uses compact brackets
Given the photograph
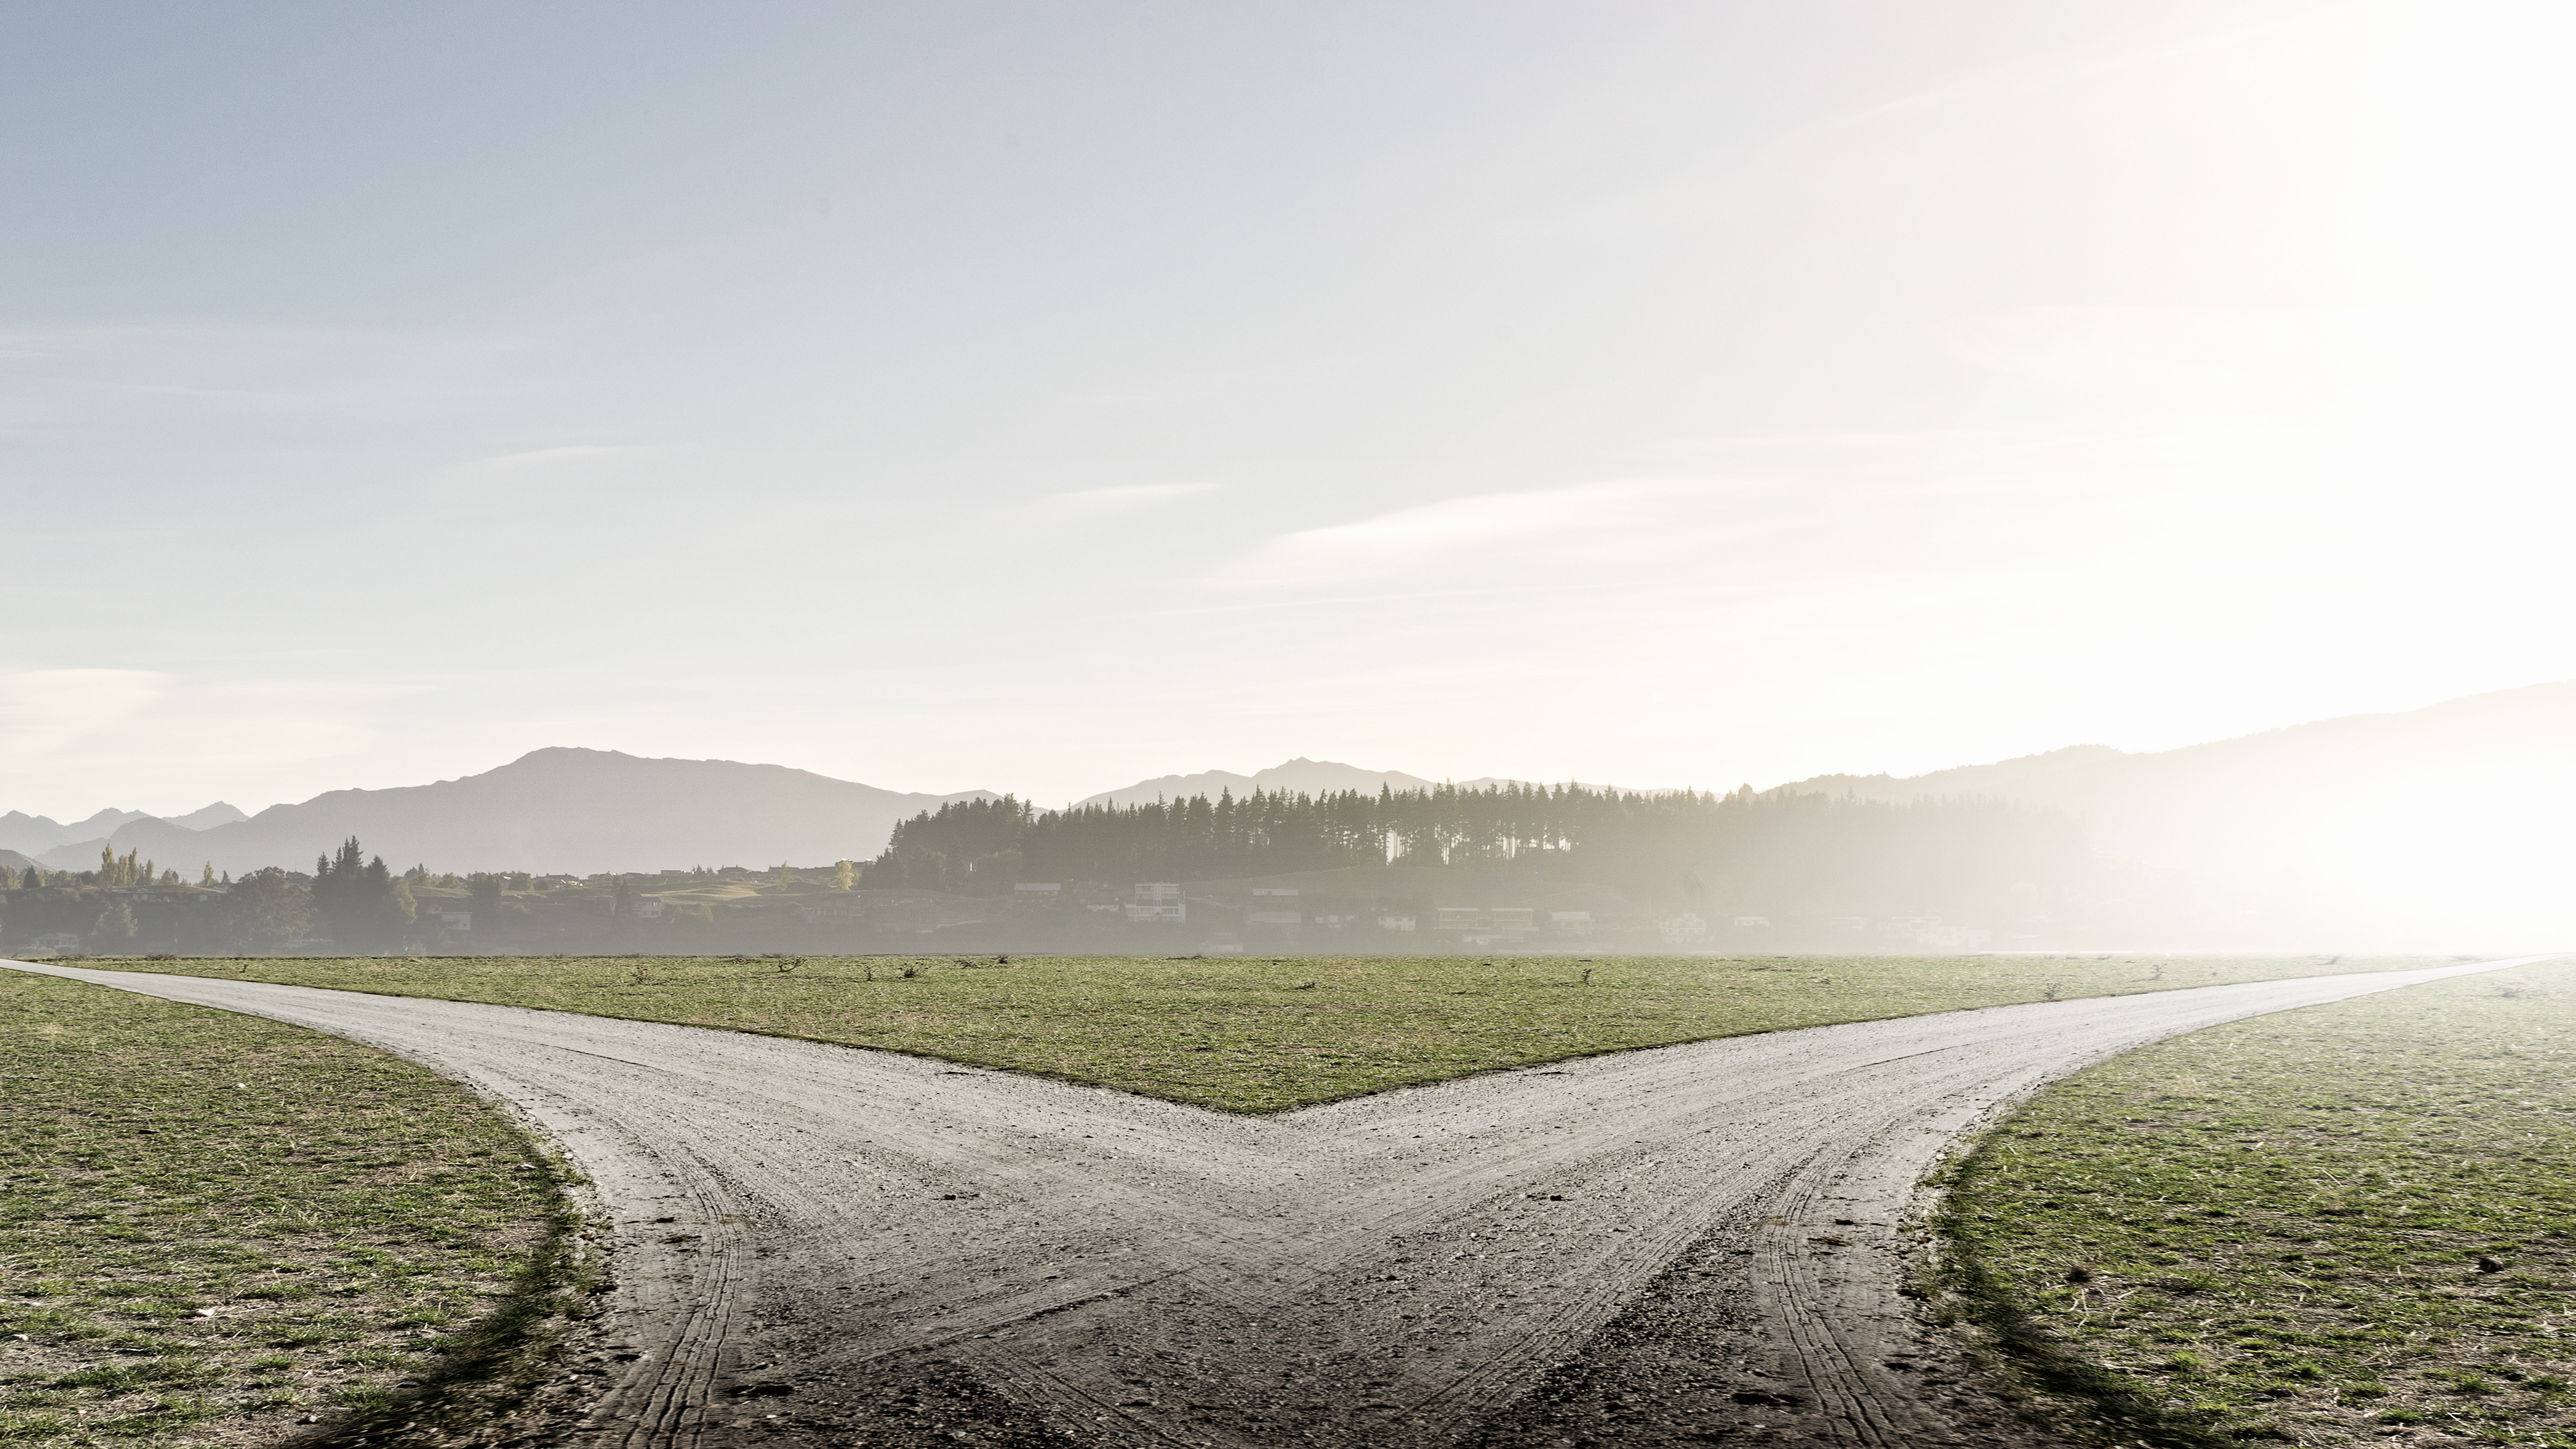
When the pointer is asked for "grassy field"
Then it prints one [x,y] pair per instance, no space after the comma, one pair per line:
[1262,1034]
[214,1228]
[2349,1223]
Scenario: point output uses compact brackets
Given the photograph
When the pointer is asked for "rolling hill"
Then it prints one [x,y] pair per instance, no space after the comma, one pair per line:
[2461,809]
[568,810]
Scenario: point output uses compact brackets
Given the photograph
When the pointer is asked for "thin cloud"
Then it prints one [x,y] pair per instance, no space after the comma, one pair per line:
[1094,502]
[1580,521]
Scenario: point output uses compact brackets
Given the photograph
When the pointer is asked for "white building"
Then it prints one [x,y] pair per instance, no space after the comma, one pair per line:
[1752,921]
[1570,923]
[1487,926]
[1157,901]
[57,941]
[1037,893]
[1685,929]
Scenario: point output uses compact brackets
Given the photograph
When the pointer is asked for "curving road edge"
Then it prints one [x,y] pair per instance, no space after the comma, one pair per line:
[817,1243]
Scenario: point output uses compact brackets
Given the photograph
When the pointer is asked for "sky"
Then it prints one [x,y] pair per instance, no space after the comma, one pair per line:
[1039,398]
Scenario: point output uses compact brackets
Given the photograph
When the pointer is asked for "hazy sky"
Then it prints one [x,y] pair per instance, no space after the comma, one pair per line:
[1041,397]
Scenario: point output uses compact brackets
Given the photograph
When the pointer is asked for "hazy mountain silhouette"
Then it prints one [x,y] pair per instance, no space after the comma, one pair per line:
[2465,802]
[213,815]
[569,810]
[40,835]
[34,834]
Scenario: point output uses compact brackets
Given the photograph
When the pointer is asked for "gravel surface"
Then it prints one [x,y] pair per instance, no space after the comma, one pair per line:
[821,1244]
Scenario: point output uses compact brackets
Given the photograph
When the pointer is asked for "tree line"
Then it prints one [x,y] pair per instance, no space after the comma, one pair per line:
[1811,851]
[351,898]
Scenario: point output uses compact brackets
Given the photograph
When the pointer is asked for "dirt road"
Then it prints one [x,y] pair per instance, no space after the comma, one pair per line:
[822,1244]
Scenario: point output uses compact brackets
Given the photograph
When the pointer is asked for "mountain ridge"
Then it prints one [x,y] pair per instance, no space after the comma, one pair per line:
[2463,801]
[556,809]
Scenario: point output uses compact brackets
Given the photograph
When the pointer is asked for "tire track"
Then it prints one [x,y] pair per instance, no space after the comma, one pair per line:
[811,1241]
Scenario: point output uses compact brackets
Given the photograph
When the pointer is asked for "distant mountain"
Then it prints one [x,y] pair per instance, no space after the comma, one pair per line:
[12,860]
[2469,805]
[33,834]
[568,810]
[38,834]
[213,815]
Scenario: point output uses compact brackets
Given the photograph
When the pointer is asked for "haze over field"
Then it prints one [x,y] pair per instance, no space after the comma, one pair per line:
[1019,396]
[2442,823]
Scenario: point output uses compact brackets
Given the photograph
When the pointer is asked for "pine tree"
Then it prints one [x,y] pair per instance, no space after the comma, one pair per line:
[357,901]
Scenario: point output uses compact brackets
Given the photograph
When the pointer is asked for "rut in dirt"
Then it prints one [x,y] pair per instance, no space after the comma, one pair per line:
[825,1243]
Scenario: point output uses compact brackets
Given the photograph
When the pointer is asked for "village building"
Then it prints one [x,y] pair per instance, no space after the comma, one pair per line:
[1685,929]
[1157,901]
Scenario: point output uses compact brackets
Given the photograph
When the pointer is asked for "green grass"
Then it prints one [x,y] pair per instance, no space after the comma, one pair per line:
[213,1226]
[2328,1225]
[1262,1034]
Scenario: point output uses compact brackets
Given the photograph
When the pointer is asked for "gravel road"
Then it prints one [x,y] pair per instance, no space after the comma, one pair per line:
[820,1244]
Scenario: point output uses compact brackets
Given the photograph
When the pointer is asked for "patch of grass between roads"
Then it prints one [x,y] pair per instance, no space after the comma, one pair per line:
[2348,1222]
[1265,1034]
[215,1228]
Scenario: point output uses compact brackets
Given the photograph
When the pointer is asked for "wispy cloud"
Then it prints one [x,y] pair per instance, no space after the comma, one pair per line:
[1582,522]
[1095,502]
